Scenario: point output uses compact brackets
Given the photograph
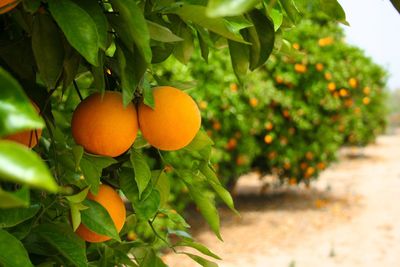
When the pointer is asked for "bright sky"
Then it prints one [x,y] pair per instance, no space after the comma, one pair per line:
[375,27]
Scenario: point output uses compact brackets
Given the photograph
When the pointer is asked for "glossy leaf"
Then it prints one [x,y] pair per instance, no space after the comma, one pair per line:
[224,8]
[262,38]
[142,170]
[15,199]
[291,10]
[333,9]
[97,219]
[161,33]
[240,58]
[70,17]
[199,247]
[13,216]
[92,167]
[396,4]
[200,141]
[16,112]
[162,184]
[21,165]
[48,49]
[67,243]
[183,50]
[197,15]
[202,261]
[12,252]
[132,24]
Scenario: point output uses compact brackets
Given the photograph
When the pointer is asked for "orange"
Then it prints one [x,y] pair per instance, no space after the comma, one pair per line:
[28,138]
[232,143]
[331,86]
[300,68]
[279,79]
[269,126]
[103,126]
[112,202]
[366,100]
[343,92]
[203,105]
[268,139]
[233,87]
[325,41]
[174,121]
[328,76]
[253,102]
[7,5]
[319,67]
[353,83]
[367,90]
[296,46]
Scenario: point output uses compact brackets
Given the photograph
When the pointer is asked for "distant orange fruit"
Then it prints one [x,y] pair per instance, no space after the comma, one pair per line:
[272,155]
[112,202]
[367,90]
[7,5]
[232,143]
[343,92]
[286,113]
[309,155]
[292,181]
[203,105]
[286,165]
[353,83]
[233,87]
[103,126]
[331,86]
[300,68]
[174,121]
[325,41]
[253,102]
[268,139]
[241,160]
[269,126]
[28,138]
[328,76]
[319,67]
[321,166]
[217,125]
[366,100]
[279,79]
[296,46]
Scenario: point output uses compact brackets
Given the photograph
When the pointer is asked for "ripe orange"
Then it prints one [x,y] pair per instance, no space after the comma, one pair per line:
[268,139]
[173,123]
[233,87]
[232,143]
[203,105]
[7,5]
[366,100]
[328,76]
[269,126]
[112,202]
[296,46]
[28,138]
[300,68]
[103,126]
[353,83]
[343,92]
[331,86]
[319,67]
[279,79]
[366,90]
[253,102]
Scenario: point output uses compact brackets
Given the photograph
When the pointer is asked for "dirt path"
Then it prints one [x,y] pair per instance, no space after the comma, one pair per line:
[349,218]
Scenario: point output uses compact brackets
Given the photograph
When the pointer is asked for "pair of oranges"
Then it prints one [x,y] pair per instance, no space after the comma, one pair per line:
[103,126]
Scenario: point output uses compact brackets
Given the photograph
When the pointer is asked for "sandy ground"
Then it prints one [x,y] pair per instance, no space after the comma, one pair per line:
[350,217]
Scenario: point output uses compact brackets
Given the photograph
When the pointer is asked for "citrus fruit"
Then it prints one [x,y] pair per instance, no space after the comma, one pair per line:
[112,202]
[174,121]
[28,138]
[7,5]
[103,126]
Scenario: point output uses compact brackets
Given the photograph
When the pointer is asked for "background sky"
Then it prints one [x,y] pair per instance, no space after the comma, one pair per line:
[375,27]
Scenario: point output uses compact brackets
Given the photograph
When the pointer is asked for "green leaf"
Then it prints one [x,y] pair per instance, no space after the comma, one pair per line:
[131,23]
[333,9]
[98,74]
[200,141]
[202,36]
[92,167]
[147,207]
[240,58]
[202,261]
[199,247]
[204,201]
[71,66]
[148,97]
[16,112]
[48,49]
[62,238]
[13,216]
[175,217]
[396,4]
[224,8]
[79,197]
[14,199]
[197,15]
[97,219]
[77,152]
[152,260]
[96,12]
[142,170]
[262,37]
[12,252]
[76,218]
[183,50]
[31,5]
[161,33]
[163,186]
[217,186]
[291,10]
[277,18]
[21,165]
[79,28]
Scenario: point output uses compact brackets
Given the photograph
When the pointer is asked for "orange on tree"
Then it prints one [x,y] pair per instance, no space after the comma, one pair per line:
[343,92]
[268,139]
[27,138]
[328,76]
[269,126]
[353,83]
[300,68]
[203,105]
[319,67]
[233,87]
[174,121]
[112,202]
[253,102]
[366,100]
[296,46]
[232,143]
[366,90]
[331,86]
[279,79]
[103,126]
[7,5]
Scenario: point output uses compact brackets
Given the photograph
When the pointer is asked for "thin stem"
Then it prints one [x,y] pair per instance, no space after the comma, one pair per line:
[160,237]
[77,90]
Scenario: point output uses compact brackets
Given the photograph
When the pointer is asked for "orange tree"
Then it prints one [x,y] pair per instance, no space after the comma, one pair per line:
[88,67]
[297,111]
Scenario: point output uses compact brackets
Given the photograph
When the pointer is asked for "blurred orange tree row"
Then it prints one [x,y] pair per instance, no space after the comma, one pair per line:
[292,116]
